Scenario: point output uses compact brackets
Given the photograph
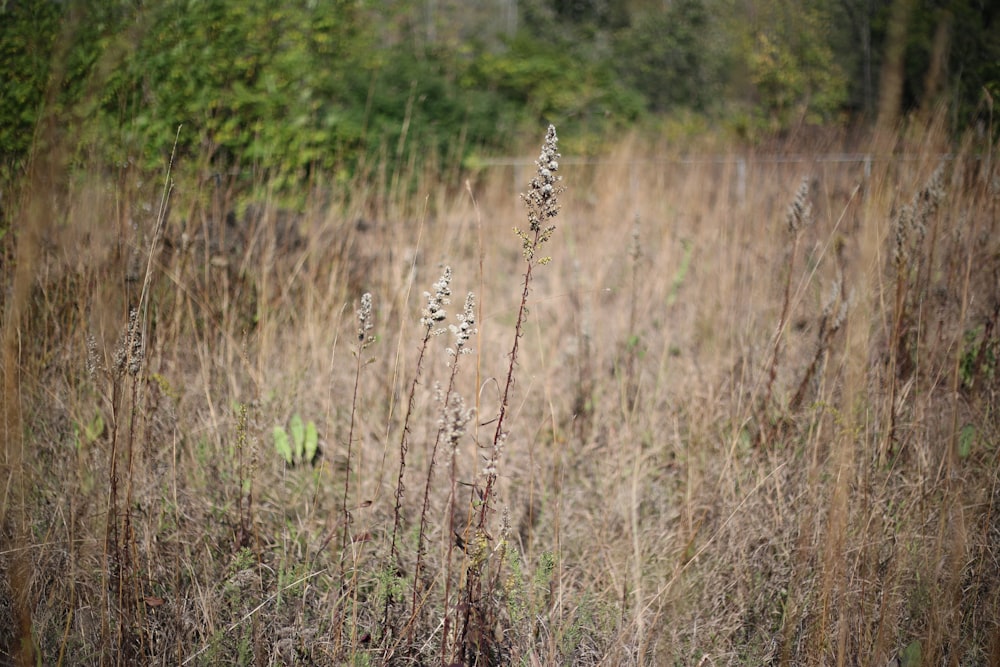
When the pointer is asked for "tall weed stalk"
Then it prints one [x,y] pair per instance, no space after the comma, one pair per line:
[476,641]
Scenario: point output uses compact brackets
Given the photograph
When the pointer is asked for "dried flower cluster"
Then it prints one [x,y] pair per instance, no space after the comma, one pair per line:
[465,328]
[453,421]
[542,197]
[365,321]
[910,223]
[129,355]
[93,361]
[434,311]
[839,300]
[800,210]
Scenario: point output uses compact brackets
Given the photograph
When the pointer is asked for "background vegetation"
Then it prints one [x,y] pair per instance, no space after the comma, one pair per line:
[750,415]
[330,85]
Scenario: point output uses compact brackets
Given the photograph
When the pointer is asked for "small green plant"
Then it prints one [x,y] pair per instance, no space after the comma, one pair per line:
[301,446]
[89,432]
[591,620]
[911,656]
[966,440]
[978,357]
[526,602]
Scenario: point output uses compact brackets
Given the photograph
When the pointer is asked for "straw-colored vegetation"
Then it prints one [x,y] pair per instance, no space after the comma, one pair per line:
[740,418]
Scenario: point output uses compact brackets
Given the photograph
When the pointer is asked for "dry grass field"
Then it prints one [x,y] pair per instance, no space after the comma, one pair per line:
[744,416]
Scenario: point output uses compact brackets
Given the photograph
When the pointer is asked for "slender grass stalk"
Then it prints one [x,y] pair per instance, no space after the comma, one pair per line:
[365,339]
[632,342]
[909,230]
[831,320]
[450,551]
[799,215]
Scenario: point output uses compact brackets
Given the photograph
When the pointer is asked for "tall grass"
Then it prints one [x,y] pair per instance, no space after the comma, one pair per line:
[704,433]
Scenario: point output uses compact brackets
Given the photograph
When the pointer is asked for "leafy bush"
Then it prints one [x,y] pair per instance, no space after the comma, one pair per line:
[284,89]
[296,89]
[795,74]
[27,33]
[665,57]
[250,82]
[551,79]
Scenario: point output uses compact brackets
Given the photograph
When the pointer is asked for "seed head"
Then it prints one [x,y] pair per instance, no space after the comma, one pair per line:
[453,421]
[93,362]
[365,324]
[466,326]
[129,355]
[800,211]
[542,198]
[902,225]
[434,311]
[835,289]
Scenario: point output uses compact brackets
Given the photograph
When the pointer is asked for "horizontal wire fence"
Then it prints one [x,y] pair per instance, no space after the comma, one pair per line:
[741,164]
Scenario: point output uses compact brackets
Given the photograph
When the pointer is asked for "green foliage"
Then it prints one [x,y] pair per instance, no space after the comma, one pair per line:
[525,603]
[296,90]
[966,440]
[27,34]
[249,82]
[591,14]
[92,430]
[49,55]
[665,57]
[423,105]
[911,656]
[303,445]
[970,59]
[545,571]
[978,358]
[591,618]
[552,80]
[285,90]
[791,65]
[281,444]
[389,585]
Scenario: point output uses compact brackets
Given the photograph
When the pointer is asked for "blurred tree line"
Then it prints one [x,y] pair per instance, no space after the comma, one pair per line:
[334,85]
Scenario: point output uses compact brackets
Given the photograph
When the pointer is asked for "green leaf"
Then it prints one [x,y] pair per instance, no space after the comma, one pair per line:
[281,444]
[298,435]
[94,429]
[312,442]
[911,655]
[966,439]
